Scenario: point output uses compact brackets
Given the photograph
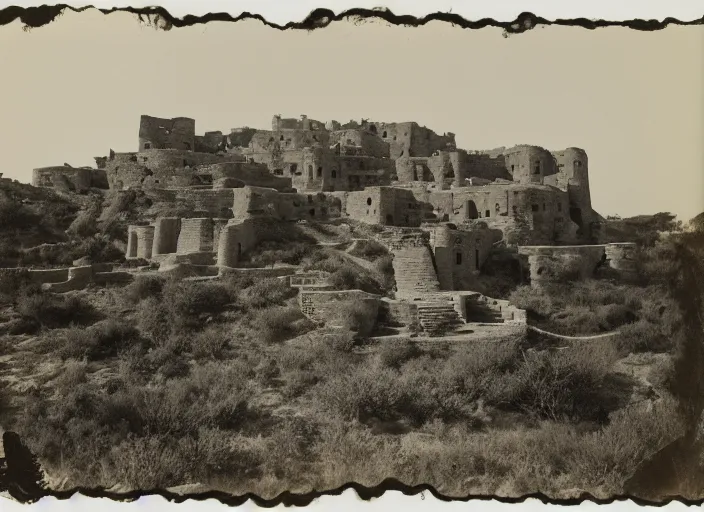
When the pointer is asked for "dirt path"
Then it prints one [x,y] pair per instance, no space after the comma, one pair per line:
[575,338]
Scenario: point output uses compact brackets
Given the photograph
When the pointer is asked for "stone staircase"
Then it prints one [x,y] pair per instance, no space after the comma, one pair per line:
[438,317]
[414,272]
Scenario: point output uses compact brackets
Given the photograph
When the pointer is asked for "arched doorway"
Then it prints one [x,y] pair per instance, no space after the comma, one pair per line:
[472,212]
[389,219]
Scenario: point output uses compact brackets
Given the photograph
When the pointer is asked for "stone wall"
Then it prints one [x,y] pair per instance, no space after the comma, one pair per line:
[140,240]
[370,144]
[459,254]
[65,178]
[236,237]
[327,307]
[562,263]
[157,133]
[622,258]
[530,164]
[252,174]
[208,202]
[166,235]
[386,206]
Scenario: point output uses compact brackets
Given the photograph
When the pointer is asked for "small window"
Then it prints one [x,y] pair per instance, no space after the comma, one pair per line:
[312,212]
[147,145]
[544,207]
[310,171]
[310,199]
[281,138]
[384,135]
[333,174]
[279,172]
[512,167]
[515,209]
[536,168]
[458,258]
[320,172]
[369,201]
[497,207]
[293,168]
[536,207]
[487,213]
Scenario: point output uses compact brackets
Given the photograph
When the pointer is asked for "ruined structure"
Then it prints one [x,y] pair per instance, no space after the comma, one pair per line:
[440,209]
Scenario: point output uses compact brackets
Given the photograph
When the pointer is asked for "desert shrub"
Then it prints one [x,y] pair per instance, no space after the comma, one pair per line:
[15,216]
[209,343]
[144,287]
[270,252]
[99,248]
[341,341]
[395,355]
[187,302]
[369,250]
[73,374]
[358,316]
[100,341]
[642,336]
[153,318]
[566,383]
[276,324]
[267,292]
[15,285]
[50,311]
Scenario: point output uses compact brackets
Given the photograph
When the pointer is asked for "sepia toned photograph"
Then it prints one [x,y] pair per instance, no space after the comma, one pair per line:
[246,260]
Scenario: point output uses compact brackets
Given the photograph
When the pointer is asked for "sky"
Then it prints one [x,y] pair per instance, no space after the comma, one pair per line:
[75,89]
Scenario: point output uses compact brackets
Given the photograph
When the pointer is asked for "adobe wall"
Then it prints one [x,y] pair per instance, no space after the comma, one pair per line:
[63,177]
[287,139]
[560,263]
[254,201]
[357,171]
[208,202]
[539,212]
[387,206]
[253,174]
[410,139]
[459,254]
[303,123]
[369,144]
[140,241]
[483,165]
[159,168]
[236,237]
[156,133]
[166,235]
[529,164]
[196,235]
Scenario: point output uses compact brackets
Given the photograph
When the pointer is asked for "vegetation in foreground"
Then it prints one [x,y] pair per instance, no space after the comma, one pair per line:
[226,384]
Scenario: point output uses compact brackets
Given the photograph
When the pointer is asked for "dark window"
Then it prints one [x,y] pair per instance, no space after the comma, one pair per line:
[188,146]
[488,213]
[406,219]
[281,138]
[384,135]
[310,199]
[372,128]
[512,167]
[279,172]
[515,209]
[320,172]
[293,168]
[310,171]
[536,207]
[458,258]
[497,207]
[369,201]
[544,207]
[147,145]
[333,174]
[312,212]
[536,168]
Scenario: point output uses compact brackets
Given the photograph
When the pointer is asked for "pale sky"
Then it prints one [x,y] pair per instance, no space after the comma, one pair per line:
[633,100]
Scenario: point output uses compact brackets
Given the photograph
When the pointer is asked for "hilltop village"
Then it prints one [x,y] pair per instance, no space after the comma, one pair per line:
[439,210]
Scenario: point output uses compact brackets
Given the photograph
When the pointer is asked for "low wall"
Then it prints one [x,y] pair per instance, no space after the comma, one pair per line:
[54,275]
[259,273]
[621,257]
[562,263]
[480,308]
[327,307]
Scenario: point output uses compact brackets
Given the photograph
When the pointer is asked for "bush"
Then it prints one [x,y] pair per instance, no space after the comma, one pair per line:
[100,341]
[276,324]
[395,355]
[144,287]
[51,311]
[369,250]
[358,316]
[266,293]
[642,336]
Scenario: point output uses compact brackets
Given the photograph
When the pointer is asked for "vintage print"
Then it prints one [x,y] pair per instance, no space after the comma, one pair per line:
[240,259]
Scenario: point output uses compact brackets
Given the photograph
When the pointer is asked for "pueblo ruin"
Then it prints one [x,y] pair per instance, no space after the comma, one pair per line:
[438,209]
